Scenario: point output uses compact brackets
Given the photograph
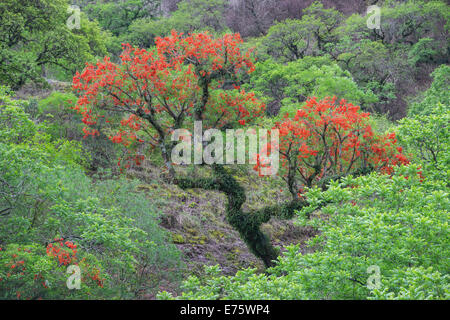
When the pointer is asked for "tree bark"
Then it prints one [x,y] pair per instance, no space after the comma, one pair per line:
[246,223]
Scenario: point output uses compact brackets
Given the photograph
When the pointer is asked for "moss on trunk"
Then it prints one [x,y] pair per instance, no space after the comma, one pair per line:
[246,223]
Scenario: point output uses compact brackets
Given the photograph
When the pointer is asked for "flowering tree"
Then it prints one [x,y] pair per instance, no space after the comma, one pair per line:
[151,93]
[196,78]
[327,140]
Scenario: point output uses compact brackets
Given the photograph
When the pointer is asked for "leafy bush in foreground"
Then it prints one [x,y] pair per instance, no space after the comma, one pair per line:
[397,223]
[33,272]
[44,194]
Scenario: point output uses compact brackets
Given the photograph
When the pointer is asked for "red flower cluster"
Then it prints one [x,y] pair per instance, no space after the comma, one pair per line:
[328,138]
[95,276]
[157,89]
[65,252]
[17,266]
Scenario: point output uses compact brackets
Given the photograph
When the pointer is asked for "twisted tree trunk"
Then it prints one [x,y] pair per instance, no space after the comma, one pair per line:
[246,223]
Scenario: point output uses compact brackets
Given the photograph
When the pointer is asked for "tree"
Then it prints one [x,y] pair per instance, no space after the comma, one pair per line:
[185,79]
[190,16]
[159,90]
[61,124]
[29,43]
[253,18]
[156,92]
[403,22]
[313,34]
[323,24]
[47,201]
[411,33]
[394,222]
[375,67]
[288,40]
[427,138]
[117,16]
[289,84]
[326,140]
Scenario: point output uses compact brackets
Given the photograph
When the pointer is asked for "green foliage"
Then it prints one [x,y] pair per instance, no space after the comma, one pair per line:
[410,21]
[322,24]
[117,16]
[62,122]
[287,41]
[427,138]
[44,194]
[382,61]
[191,16]
[54,111]
[386,60]
[199,15]
[403,22]
[416,284]
[439,92]
[118,19]
[396,223]
[293,39]
[30,42]
[292,83]
[245,285]
[373,66]
[16,126]
[422,52]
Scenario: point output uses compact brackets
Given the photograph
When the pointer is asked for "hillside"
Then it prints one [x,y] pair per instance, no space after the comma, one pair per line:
[216,150]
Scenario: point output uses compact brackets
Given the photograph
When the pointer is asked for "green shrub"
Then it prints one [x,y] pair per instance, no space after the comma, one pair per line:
[45,194]
[15,123]
[31,272]
[427,139]
[397,223]
[439,92]
[60,122]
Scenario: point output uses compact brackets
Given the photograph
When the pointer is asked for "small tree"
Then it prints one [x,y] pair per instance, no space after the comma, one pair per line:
[155,92]
[328,140]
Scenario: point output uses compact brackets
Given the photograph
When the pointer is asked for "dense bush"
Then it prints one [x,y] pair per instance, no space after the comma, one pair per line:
[32,47]
[45,194]
[439,92]
[427,136]
[61,122]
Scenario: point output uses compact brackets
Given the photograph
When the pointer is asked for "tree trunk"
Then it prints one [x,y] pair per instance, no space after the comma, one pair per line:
[246,223]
